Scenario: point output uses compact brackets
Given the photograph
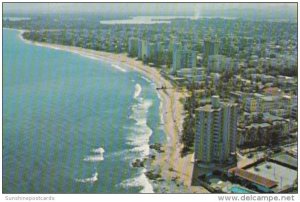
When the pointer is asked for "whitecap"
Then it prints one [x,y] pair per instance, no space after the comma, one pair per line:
[138,90]
[119,68]
[92,179]
[143,150]
[99,150]
[140,111]
[125,154]
[146,79]
[142,106]
[139,139]
[94,158]
[139,181]
[140,132]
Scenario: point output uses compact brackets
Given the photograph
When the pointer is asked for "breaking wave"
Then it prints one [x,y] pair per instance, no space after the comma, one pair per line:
[97,157]
[139,181]
[92,179]
[140,132]
[94,158]
[146,79]
[99,150]
[139,137]
[119,68]
[138,90]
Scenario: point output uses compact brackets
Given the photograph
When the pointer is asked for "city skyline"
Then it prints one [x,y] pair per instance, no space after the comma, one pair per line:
[192,9]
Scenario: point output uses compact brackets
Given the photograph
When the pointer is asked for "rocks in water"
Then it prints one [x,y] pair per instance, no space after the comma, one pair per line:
[138,163]
[157,147]
[152,175]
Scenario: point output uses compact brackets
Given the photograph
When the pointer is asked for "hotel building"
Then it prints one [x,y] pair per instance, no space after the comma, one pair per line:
[216,130]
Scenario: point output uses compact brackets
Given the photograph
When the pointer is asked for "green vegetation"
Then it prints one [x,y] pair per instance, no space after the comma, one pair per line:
[189,129]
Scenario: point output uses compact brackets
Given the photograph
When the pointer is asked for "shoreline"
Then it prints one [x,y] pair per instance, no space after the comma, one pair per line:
[172,167]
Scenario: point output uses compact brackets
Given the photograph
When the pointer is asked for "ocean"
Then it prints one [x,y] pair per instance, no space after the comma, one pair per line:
[73,124]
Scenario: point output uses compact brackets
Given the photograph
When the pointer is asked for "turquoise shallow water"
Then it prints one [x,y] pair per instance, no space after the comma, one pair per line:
[60,108]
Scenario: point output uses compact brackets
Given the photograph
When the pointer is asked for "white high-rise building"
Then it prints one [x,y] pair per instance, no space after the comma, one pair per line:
[216,130]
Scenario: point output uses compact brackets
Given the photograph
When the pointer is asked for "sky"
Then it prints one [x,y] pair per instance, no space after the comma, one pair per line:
[139,8]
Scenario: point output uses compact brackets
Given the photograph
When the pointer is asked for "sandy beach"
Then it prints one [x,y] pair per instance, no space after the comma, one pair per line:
[171,165]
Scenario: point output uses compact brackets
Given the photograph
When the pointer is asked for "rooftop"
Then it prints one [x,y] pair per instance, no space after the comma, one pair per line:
[282,175]
[257,125]
[208,108]
[272,90]
[237,93]
[254,178]
[268,98]
[268,116]
[286,159]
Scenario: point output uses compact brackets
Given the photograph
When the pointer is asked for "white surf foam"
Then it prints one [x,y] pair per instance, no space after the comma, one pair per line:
[119,68]
[141,107]
[89,56]
[138,90]
[139,137]
[92,179]
[124,154]
[140,132]
[94,158]
[161,108]
[99,150]
[146,79]
[140,141]
[140,181]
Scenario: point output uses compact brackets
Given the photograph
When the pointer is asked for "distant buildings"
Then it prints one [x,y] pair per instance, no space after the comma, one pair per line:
[133,47]
[183,58]
[251,105]
[150,51]
[267,78]
[211,47]
[266,103]
[294,112]
[261,103]
[142,49]
[192,74]
[145,50]
[221,63]
[216,129]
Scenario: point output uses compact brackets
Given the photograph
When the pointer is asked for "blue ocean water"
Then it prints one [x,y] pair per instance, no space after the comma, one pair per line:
[72,124]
